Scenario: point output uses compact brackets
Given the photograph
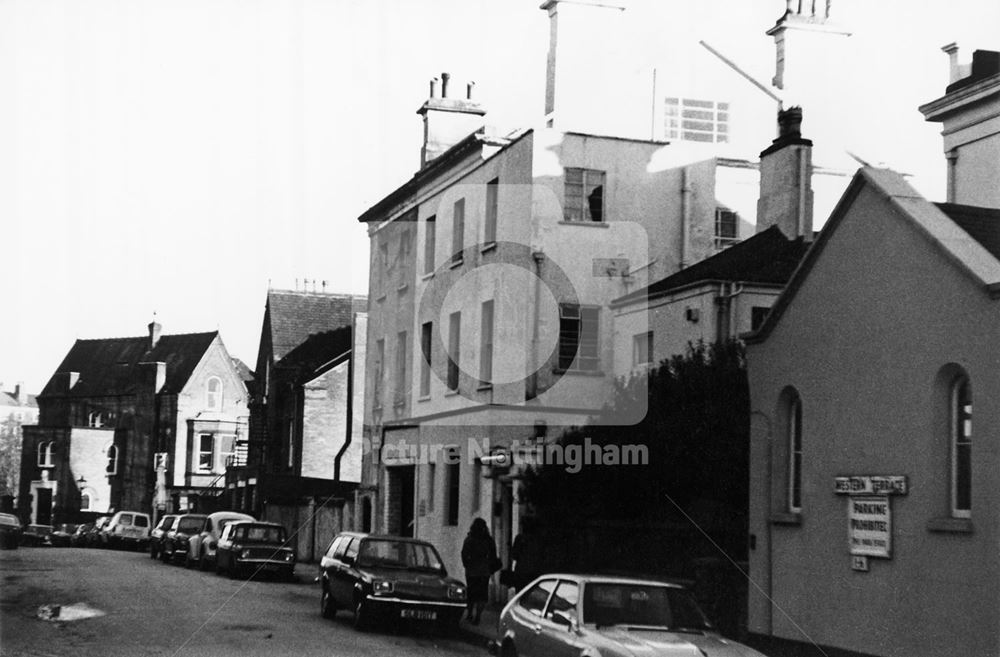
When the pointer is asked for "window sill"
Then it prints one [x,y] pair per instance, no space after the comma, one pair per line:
[590,224]
[380,297]
[402,288]
[488,246]
[484,386]
[950,525]
[424,398]
[786,518]
[456,263]
[425,277]
[450,393]
[560,371]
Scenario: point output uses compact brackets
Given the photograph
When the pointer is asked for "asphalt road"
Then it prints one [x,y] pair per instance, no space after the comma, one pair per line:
[150,608]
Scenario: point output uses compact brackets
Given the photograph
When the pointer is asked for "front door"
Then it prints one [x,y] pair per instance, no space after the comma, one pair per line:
[43,506]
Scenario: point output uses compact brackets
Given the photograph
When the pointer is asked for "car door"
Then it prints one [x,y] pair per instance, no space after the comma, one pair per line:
[557,637]
[343,575]
[223,552]
[526,617]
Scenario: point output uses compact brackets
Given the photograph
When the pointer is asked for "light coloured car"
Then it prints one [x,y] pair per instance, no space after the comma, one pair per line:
[249,548]
[128,530]
[202,546]
[592,615]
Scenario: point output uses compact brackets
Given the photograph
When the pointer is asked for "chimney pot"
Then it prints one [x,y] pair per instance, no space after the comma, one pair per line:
[154,333]
[445,77]
[468,90]
[790,122]
[433,85]
[953,70]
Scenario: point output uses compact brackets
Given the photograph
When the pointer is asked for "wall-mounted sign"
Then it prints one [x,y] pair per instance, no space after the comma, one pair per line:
[859,563]
[870,485]
[870,526]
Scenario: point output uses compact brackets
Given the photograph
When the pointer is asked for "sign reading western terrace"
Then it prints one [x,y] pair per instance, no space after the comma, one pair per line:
[870,526]
[870,485]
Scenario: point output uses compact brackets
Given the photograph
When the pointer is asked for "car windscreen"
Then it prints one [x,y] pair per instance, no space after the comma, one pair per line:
[190,525]
[261,534]
[643,605]
[387,553]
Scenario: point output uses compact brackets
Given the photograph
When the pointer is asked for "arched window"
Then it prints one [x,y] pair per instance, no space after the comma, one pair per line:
[213,393]
[45,455]
[794,433]
[85,501]
[112,467]
[961,447]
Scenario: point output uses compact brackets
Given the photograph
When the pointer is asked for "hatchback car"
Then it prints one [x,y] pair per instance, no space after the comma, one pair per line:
[176,542]
[62,534]
[388,577]
[93,535]
[37,535]
[126,530]
[246,548]
[10,531]
[574,614]
[201,546]
[159,533]
[79,537]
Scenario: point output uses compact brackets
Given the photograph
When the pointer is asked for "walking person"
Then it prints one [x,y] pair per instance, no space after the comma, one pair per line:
[479,556]
[526,555]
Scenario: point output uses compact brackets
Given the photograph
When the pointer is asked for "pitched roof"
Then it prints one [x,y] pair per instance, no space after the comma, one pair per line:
[294,316]
[968,236]
[767,258]
[318,350]
[8,399]
[108,367]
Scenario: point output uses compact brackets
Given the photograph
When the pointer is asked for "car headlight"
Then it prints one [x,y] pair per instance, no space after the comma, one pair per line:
[456,592]
[289,556]
[382,586]
[245,554]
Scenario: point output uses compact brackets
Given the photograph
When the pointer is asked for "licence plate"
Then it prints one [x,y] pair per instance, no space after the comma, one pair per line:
[419,614]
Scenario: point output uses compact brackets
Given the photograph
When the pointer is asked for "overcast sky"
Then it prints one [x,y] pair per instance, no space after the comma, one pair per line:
[179,156]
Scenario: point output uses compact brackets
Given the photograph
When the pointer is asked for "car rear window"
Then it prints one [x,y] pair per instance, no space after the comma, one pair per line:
[141,521]
[189,525]
[398,554]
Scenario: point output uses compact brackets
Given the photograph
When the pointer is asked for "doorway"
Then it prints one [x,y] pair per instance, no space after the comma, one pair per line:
[400,515]
[43,506]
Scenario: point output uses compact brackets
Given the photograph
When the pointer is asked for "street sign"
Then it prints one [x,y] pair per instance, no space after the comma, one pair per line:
[870,485]
[870,526]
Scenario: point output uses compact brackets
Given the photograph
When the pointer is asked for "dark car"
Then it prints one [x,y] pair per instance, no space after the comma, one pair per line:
[248,548]
[388,578]
[175,545]
[159,534]
[93,537]
[37,535]
[62,534]
[79,537]
[10,531]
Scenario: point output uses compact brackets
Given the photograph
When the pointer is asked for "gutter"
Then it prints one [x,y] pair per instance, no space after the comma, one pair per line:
[350,410]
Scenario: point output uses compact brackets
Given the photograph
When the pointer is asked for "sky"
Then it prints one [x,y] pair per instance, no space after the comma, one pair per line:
[180,157]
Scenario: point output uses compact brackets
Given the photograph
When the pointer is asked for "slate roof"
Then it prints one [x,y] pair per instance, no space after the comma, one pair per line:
[7,399]
[767,258]
[294,316]
[108,366]
[305,361]
[982,224]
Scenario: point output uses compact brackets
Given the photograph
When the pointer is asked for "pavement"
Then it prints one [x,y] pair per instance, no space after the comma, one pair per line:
[485,633]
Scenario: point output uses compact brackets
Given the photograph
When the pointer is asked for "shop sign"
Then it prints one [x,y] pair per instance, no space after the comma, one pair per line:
[870,526]
[870,485]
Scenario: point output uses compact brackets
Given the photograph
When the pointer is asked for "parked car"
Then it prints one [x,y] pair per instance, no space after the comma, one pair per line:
[573,614]
[159,534]
[37,535]
[175,544]
[386,578]
[93,537]
[201,547]
[246,548]
[61,535]
[126,530]
[10,531]
[79,537]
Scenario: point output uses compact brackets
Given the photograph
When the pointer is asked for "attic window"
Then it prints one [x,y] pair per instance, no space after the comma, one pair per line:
[213,394]
[696,120]
[112,466]
[726,227]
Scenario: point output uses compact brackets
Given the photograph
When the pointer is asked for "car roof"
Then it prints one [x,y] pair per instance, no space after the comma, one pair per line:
[193,515]
[610,579]
[388,537]
[256,523]
[229,514]
[10,517]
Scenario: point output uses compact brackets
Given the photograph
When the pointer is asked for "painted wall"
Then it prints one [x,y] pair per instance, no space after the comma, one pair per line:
[865,342]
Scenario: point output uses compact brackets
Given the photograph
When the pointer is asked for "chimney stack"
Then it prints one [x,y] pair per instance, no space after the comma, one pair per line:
[447,121]
[968,113]
[154,333]
[786,198]
[20,394]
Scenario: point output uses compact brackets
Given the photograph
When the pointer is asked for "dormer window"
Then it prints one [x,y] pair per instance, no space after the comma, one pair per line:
[213,394]
[112,466]
[45,455]
[95,420]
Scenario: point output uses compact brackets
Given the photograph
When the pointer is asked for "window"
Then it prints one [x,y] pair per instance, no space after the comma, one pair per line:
[399,395]
[726,227]
[426,335]
[430,228]
[431,485]
[454,348]
[291,443]
[477,484]
[458,231]
[584,199]
[404,258]
[486,344]
[492,208]
[578,333]
[206,452]
[379,364]
[454,470]
[383,267]
[84,501]
[564,601]
[537,596]
[642,348]
[757,316]
[112,466]
[45,455]
[696,120]
[213,393]
[795,454]
[95,420]
[961,448]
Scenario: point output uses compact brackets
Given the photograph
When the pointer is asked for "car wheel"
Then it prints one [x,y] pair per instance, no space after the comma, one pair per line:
[164,557]
[326,606]
[361,613]
[152,551]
